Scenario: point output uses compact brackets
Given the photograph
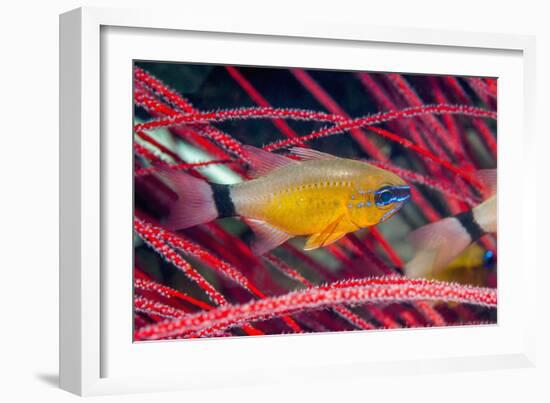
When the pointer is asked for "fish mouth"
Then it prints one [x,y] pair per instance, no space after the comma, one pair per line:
[402,193]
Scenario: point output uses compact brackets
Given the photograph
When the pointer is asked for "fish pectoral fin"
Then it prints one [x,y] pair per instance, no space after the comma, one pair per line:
[317,240]
[330,234]
[266,237]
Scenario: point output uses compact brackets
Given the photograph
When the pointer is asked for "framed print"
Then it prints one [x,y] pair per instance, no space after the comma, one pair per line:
[234,192]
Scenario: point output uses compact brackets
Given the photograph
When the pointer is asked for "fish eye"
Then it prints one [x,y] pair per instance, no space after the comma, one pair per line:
[489,259]
[384,196]
[391,194]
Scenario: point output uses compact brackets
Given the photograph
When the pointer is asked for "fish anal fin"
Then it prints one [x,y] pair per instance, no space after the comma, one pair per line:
[310,154]
[266,237]
[263,162]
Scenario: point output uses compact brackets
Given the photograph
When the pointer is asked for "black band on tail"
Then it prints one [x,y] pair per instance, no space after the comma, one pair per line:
[469,224]
[222,199]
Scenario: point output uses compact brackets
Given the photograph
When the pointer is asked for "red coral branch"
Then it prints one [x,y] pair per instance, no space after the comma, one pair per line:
[441,142]
[409,128]
[479,124]
[148,155]
[412,99]
[151,307]
[482,90]
[308,115]
[163,90]
[160,239]
[162,148]
[339,309]
[331,105]
[259,99]
[182,166]
[341,127]
[152,286]
[190,248]
[425,153]
[150,235]
[225,141]
[387,289]
[151,104]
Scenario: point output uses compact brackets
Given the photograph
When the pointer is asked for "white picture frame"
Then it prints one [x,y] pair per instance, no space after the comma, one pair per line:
[96,354]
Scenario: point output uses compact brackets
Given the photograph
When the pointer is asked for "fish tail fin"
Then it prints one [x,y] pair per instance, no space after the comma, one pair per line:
[195,204]
[436,244]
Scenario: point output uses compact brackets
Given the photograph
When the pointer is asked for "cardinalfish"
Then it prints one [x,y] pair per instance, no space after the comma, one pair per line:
[437,244]
[320,196]
[475,266]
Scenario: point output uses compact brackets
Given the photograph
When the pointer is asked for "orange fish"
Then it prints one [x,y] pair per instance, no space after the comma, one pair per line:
[321,196]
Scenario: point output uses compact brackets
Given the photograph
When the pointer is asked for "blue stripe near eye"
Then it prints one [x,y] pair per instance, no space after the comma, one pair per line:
[391,194]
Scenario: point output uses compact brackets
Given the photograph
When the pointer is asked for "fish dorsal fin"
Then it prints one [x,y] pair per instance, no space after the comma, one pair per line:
[328,235]
[263,162]
[266,236]
[489,179]
[310,154]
